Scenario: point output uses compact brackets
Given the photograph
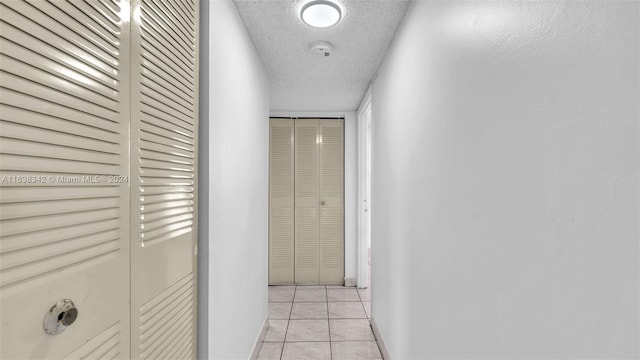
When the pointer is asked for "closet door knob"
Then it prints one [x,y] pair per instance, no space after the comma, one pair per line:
[61,315]
[322,203]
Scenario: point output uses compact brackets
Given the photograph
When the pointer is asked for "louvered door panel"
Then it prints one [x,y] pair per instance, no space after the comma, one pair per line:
[281,202]
[315,215]
[306,202]
[164,147]
[331,223]
[64,165]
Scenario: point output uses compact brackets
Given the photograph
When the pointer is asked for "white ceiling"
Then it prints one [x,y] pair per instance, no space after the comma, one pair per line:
[302,81]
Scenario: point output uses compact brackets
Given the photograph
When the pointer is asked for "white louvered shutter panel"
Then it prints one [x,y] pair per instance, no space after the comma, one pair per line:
[331,221]
[306,202]
[164,157]
[281,202]
[64,162]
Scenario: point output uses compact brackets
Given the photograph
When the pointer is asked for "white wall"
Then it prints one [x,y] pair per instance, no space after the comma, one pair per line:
[238,147]
[350,183]
[505,185]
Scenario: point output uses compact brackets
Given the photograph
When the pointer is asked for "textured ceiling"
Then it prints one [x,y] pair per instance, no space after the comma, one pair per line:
[302,81]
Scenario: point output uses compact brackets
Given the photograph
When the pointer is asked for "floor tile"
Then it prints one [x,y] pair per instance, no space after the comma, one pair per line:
[367,308]
[277,330]
[355,350]
[278,295]
[346,294]
[350,330]
[336,287]
[346,310]
[309,310]
[365,294]
[279,311]
[306,295]
[270,351]
[308,330]
[306,350]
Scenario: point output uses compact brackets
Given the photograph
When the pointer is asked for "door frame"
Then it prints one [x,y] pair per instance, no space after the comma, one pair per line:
[364,189]
[350,182]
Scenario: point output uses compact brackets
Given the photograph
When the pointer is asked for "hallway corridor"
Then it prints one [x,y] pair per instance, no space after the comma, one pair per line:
[163,162]
[319,322]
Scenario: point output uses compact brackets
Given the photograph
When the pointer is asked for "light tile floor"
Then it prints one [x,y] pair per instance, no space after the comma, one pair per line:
[319,322]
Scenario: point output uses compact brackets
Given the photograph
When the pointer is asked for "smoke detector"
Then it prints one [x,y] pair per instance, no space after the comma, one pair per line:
[322,48]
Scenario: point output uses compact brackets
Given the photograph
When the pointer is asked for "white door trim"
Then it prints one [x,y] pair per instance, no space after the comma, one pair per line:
[363,218]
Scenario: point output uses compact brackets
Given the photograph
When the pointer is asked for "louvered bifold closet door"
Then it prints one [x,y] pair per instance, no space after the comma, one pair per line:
[331,222]
[306,202]
[281,202]
[163,167]
[64,167]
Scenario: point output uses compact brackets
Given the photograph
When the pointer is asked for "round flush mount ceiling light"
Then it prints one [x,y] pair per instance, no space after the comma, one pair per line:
[321,13]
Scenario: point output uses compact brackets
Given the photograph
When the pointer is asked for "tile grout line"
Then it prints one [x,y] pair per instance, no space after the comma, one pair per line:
[324,341]
[363,308]
[369,321]
[295,289]
[326,292]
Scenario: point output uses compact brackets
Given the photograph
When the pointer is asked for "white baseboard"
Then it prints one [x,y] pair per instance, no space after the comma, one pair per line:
[349,282]
[261,335]
[383,348]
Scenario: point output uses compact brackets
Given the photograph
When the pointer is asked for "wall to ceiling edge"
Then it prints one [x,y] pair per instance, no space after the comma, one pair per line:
[233,236]
[505,182]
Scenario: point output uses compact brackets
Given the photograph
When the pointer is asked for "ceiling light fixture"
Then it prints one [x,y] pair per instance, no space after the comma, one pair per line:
[321,13]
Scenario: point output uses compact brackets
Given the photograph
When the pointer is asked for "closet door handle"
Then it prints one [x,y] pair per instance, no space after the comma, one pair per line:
[322,203]
[61,315]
